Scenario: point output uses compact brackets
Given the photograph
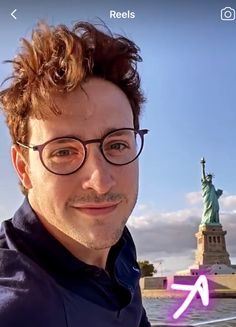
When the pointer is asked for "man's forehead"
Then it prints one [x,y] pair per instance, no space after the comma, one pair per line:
[95,94]
[95,89]
[43,130]
[99,106]
[41,134]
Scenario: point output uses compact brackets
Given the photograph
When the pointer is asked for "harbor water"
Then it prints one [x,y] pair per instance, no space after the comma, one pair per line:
[217,313]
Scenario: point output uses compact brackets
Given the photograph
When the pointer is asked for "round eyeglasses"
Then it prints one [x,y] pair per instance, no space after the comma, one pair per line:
[65,155]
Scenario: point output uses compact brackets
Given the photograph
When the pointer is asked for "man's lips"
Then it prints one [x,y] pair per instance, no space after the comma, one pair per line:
[96,209]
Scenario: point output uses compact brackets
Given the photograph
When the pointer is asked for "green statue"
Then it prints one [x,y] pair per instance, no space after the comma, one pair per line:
[210,196]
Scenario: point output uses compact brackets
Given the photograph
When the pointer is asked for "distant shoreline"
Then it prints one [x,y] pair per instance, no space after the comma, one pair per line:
[170,294]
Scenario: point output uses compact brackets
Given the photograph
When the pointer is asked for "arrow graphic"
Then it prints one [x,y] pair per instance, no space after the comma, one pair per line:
[12,14]
[201,286]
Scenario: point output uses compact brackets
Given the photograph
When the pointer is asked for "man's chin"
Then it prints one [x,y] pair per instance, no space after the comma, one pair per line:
[102,245]
[103,242]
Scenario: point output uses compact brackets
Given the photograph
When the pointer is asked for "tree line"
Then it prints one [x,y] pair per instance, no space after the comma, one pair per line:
[147,268]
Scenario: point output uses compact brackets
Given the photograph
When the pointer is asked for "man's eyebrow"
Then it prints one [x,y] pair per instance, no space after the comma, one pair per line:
[63,139]
[121,132]
[108,130]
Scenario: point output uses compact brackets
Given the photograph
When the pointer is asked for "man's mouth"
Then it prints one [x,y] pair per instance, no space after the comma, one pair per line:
[96,209]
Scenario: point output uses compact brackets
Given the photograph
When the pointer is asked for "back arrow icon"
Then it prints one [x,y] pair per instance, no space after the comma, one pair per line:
[12,14]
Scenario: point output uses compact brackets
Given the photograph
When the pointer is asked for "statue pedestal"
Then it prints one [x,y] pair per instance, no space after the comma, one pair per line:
[211,247]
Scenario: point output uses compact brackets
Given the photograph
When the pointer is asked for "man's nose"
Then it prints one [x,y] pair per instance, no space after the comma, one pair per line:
[97,172]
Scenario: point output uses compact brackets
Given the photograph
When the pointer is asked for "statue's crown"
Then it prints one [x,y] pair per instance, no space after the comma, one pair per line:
[210,175]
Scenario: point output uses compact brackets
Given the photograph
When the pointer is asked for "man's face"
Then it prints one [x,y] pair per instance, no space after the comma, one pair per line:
[71,204]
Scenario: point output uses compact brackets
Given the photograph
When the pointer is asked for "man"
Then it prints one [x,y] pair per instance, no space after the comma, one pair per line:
[73,109]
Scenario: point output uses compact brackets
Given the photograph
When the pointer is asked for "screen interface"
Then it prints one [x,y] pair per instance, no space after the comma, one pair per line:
[184,221]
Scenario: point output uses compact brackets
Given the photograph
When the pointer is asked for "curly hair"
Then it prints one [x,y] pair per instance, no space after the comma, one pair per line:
[57,59]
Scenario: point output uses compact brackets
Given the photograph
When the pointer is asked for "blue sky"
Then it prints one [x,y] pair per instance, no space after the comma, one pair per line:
[189,79]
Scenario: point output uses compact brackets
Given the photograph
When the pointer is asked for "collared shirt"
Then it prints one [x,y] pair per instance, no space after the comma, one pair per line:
[43,285]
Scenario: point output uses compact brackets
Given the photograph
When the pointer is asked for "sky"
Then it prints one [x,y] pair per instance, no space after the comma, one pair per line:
[188,76]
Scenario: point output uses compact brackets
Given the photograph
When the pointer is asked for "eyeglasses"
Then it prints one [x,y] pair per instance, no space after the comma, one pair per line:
[66,155]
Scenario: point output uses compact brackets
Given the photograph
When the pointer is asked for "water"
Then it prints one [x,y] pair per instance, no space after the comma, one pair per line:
[162,310]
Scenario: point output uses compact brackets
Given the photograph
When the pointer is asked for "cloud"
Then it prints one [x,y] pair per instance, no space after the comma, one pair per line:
[170,236]
[193,198]
[228,202]
[167,233]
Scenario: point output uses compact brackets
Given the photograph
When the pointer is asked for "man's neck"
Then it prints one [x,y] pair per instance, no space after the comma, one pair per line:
[89,256]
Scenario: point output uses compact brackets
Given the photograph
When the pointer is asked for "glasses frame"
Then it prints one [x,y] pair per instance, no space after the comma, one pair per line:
[40,147]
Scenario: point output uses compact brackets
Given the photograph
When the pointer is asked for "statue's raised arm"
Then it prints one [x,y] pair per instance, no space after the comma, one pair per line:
[210,215]
[203,162]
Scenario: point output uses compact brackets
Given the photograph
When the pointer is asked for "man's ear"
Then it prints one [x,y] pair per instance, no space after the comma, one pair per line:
[21,166]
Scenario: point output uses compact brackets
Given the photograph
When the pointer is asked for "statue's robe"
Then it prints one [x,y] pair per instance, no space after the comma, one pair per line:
[211,204]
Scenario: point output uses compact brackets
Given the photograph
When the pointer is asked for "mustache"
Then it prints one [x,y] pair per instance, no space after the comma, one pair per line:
[95,198]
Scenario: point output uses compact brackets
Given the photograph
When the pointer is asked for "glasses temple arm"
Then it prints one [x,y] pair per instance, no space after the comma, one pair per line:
[25,146]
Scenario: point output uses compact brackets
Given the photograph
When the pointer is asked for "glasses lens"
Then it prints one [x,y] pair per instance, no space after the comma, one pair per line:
[63,156]
[122,147]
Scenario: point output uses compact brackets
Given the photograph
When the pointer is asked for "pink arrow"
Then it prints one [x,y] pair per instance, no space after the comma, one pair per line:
[201,286]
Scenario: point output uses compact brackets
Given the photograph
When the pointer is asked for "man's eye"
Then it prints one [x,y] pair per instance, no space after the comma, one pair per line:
[118,146]
[62,153]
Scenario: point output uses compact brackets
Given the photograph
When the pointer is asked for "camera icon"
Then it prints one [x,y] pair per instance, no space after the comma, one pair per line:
[227,13]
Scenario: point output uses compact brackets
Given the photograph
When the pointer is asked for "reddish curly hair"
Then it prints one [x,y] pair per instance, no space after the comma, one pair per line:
[57,59]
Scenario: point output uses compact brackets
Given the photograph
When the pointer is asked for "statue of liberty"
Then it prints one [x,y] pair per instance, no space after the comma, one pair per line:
[210,196]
